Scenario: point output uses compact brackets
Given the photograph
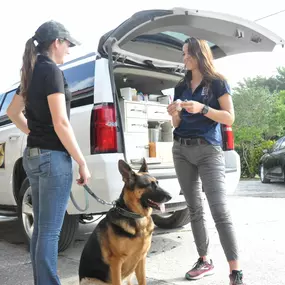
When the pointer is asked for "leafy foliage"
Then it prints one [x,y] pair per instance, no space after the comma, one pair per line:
[260,115]
[250,154]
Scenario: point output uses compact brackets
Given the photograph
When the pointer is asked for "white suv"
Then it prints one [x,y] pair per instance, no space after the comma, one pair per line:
[112,123]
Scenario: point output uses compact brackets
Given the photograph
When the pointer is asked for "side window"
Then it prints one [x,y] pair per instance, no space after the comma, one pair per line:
[80,80]
[282,145]
[278,144]
[8,98]
[1,99]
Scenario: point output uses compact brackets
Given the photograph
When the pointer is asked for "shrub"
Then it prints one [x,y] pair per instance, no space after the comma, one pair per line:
[250,154]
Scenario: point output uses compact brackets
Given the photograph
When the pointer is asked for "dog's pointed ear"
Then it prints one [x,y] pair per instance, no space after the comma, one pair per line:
[125,169]
[144,167]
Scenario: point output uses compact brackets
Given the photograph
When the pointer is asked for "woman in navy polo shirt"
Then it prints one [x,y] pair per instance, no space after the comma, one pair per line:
[205,103]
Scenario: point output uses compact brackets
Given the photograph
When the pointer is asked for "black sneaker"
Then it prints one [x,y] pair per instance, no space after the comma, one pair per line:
[200,269]
[236,278]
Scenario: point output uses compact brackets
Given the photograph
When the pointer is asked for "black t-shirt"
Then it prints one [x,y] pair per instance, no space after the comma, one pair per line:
[47,79]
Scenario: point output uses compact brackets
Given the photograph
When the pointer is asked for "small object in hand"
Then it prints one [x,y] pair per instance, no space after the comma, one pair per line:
[178,106]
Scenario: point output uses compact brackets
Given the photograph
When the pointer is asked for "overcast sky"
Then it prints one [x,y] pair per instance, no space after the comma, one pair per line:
[87,21]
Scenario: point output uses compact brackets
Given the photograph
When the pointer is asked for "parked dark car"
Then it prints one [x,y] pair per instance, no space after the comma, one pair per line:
[272,163]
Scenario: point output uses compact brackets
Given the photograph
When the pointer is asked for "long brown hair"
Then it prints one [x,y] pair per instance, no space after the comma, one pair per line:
[29,60]
[200,50]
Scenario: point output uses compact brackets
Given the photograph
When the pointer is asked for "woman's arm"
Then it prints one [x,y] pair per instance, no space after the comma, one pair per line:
[63,128]
[176,119]
[172,108]
[224,116]
[172,111]
[15,113]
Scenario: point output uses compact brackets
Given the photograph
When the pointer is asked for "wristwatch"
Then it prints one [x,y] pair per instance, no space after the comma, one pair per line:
[205,110]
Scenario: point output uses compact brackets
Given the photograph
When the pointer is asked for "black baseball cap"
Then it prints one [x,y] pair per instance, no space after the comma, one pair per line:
[52,30]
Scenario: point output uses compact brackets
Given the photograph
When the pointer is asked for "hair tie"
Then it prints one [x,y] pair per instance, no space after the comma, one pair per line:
[35,41]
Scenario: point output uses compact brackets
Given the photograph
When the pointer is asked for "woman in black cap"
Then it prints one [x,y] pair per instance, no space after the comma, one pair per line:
[51,143]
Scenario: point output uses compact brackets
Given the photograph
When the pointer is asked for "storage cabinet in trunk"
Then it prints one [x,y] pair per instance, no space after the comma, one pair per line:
[147,127]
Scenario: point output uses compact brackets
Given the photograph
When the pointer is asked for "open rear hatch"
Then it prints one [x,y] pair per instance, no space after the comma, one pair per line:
[156,37]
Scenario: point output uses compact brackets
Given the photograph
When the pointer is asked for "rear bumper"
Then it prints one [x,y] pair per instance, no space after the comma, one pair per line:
[171,207]
[233,170]
[106,182]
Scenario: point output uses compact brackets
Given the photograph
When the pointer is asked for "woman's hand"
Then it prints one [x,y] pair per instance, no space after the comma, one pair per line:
[172,109]
[193,107]
[84,175]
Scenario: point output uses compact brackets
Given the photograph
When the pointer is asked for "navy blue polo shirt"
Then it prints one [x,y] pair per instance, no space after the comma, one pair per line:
[198,125]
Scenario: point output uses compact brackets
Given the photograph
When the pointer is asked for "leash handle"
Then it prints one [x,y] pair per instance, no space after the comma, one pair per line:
[77,206]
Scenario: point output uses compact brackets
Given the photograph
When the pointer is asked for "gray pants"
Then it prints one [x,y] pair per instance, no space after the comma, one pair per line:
[193,162]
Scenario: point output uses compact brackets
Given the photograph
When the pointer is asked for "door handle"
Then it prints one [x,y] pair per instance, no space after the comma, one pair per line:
[14,137]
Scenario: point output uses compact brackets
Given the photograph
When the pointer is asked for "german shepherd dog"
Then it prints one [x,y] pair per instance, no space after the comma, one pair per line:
[119,244]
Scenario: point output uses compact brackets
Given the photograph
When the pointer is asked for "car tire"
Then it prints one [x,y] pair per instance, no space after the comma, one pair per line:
[25,214]
[172,220]
[263,179]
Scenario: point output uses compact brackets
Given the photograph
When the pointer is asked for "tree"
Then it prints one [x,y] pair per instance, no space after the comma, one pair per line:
[253,109]
[273,84]
[280,78]
[260,115]
[277,118]
[258,82]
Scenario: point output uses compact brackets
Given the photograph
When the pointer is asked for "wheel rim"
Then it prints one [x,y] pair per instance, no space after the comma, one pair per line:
[262,172]
[27,212]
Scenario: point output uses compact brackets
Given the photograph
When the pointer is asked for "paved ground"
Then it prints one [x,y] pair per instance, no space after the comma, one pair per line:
[254,188]
[258,212]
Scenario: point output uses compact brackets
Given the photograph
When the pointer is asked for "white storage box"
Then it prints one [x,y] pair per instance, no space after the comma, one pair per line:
[127,93]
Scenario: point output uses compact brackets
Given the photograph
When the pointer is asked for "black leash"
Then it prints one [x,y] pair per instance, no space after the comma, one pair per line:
[97,198]
[88,190]
[120,210]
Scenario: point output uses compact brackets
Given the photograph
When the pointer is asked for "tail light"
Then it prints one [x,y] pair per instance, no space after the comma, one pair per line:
[228,137]
[103,129]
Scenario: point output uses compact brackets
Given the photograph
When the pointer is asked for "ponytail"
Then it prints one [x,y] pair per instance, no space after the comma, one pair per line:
[29,59]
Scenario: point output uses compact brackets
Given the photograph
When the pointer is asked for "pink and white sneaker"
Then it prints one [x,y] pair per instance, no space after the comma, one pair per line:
[200,269]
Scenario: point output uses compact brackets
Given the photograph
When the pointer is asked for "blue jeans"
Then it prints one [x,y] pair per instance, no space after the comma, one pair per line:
[50,176]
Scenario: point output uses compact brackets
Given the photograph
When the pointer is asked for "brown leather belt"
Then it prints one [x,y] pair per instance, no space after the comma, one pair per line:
[190,141]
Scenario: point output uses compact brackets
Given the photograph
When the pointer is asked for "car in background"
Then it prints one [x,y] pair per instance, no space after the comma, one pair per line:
[272,163]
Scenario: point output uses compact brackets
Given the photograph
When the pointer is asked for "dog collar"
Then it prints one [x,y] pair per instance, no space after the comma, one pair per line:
[127,214]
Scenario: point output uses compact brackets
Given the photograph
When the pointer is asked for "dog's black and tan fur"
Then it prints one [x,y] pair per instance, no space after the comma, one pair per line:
[118,246]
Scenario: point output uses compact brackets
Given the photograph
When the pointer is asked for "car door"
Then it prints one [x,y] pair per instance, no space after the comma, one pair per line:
[10,151]
[156,37]
[279,159]
[271,161]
